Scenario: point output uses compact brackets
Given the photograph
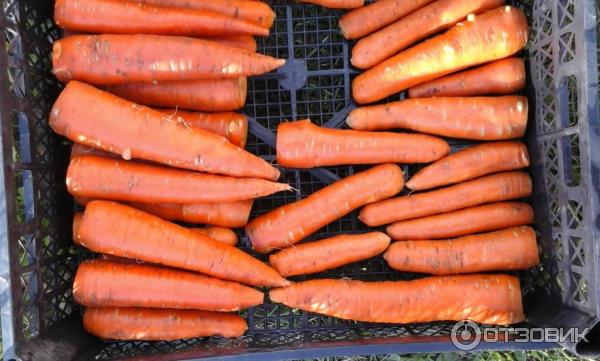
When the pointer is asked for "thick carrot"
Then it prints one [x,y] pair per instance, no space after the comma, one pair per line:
[123,231]
[362,21]
[117,59]
[302,144]
[221,234]
[328,253]
[377,47]
[489,217]
[90,176]
[92,117]
[508,249]
[471,162]
[506,76]
[245,42]
[490,299]
[493,35]
[253,11]
[100,283]
[482,118]
[126,17]
[293,222]
[336,4]
[489,189]
[135,323]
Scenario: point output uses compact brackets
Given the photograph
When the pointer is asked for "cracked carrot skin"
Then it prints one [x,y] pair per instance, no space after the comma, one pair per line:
[336,4]
[302,144]
[491,299]
[101,283]
[509,249]
[221,234]
[101,120]
[151,324]
[494,35]
[485,218]
[117,59]
[123,231]
[493,188]
[472,162]
[329,253]
[289,224]
[478,118]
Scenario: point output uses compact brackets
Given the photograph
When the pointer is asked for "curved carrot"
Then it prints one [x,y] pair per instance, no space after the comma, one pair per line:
[506,76]
[245,42]
[100,283]
[136,323]
[508,249]
[92,117]
[493,35]
[482,118]
[302,144]
[328,253]
[336,4]
[221,234]
[489,217]
[284,226]
[125,17]
[210,95]
[362,21]
[377,47]
[471,162]
[119,230]
[493,188]
[490,299]
[118,59]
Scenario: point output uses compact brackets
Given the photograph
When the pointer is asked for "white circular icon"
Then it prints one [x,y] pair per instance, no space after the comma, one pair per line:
[465,335]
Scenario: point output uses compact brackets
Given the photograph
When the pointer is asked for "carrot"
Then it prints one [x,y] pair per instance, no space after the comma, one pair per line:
[245,42]
[118,59]
[100,283]
[80,149]
[123,231]
[490,299]
[506,76]
[96,177]
[336,4]
[492,188]
[134,323]
[284,226]
[125,17]
[362,21]
[482,118]
[379,46]
[253,11]
[302,144]
[223,235]
[210,95]
[92,117]
[328,253]
[489,217]
[508,249]
[471,162]
[494,35]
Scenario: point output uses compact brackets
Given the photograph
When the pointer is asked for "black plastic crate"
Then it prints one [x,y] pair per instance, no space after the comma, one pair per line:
[40,320]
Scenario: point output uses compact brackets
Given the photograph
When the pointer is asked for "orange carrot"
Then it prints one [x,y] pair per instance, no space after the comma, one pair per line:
[377,47]
[489,217]
[92,117]
[134,323]
[90,176]
[223,235]
[123,231]
[506,76]
[118,59]
[362,21]
[293,222]
[493,35]
[80,149]
[508,249]
[336,4]
[100,283]
[245,42]
[493,188]
[490,299]
[125,17]
[482,118]
[328,253]
[302,144]
[472,162]
[210,95]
